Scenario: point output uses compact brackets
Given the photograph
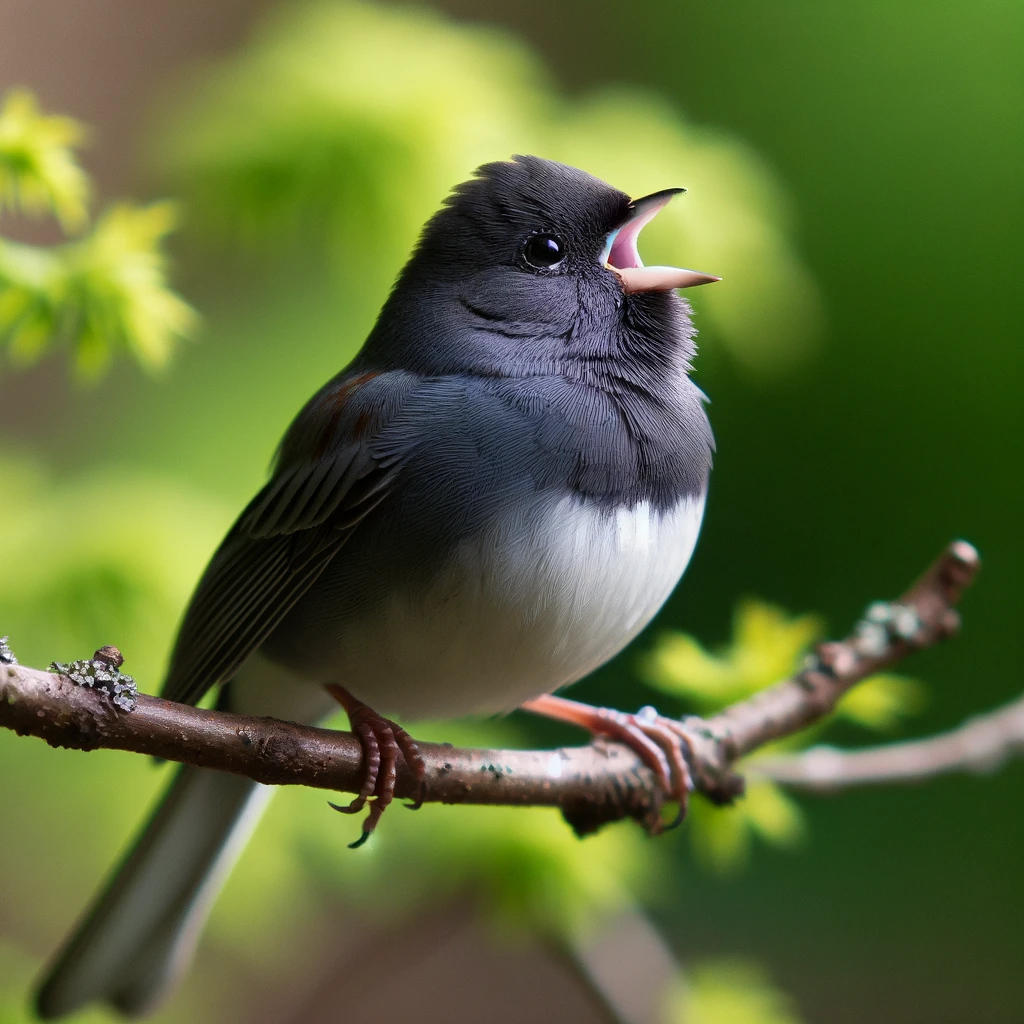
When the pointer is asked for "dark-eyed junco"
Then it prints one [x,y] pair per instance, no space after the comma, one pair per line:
[491,501]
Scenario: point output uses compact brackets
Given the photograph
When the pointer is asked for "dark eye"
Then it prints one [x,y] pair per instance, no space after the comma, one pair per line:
[543,251]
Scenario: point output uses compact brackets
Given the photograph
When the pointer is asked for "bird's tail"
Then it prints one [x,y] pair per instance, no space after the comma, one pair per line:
[140,934]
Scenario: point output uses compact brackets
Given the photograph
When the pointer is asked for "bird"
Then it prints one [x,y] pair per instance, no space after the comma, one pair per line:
[493,499]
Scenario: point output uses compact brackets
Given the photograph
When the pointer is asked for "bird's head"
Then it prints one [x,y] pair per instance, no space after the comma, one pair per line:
[527,265]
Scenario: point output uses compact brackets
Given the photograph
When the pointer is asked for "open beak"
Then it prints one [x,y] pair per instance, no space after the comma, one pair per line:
[621,256]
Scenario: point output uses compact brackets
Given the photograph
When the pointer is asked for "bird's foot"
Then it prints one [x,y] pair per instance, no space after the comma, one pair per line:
[661,743]
[383,742]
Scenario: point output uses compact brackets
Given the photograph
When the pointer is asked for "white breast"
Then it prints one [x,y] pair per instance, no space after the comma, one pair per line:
[528,607]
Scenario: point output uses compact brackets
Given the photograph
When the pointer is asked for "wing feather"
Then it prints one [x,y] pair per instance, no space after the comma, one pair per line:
[275,551]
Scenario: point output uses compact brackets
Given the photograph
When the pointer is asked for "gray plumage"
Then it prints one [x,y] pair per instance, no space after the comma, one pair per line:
[493,499]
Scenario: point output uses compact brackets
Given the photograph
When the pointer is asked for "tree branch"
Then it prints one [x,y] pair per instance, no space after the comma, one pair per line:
[592,785]
[981,744]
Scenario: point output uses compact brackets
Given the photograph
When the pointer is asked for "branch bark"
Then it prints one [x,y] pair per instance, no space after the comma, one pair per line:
[592,784]
[981,745]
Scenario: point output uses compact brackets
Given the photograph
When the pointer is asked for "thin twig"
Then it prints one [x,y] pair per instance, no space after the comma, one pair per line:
[888,633]
[592,784]
[980,745]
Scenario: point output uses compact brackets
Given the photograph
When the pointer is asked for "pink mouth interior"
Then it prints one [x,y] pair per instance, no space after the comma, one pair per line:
[623,254]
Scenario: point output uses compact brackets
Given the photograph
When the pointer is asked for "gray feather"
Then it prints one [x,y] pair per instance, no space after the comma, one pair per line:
[140,933]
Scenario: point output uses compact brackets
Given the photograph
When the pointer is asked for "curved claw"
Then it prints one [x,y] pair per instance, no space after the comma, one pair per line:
[383,743]
[681,806]
[359,842]
[414,759]
[346,808]
[653,738]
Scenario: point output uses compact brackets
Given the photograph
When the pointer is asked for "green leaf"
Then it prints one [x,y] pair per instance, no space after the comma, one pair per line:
[119,277]
[767,645]
[38,170]
[882,702]
[723,837]
[102,295]
[728,992]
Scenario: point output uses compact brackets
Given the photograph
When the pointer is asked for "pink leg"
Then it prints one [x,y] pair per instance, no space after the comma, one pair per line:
[658,742]
[383,742]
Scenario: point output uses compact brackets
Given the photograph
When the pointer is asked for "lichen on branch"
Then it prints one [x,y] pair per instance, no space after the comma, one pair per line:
[592,785]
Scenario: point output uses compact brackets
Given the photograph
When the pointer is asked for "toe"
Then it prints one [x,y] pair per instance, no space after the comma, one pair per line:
[371,772]
[414,759]
[383,742]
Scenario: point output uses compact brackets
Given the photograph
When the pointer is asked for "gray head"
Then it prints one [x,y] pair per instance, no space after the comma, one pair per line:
[531,267]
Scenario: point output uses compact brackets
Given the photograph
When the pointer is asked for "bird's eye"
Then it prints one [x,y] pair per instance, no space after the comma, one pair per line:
[543,251]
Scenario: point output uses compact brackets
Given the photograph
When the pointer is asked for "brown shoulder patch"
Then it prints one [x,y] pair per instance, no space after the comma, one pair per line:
[335,405]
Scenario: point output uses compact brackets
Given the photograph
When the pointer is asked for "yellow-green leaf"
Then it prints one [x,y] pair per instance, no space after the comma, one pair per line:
[103,295]
[722,837]
[728,992]
[38,170]
[882,701]
[767,645]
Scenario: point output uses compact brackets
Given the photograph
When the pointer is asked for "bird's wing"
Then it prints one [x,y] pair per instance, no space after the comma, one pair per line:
[271,556]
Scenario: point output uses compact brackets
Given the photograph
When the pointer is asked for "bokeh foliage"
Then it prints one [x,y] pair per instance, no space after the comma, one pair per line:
[329,141]
[767,645]
[306,164]
[728,992]
[38,170]
[102,294]
[342,126]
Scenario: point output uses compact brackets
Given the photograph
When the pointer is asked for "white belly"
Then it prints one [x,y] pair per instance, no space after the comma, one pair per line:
[522,610]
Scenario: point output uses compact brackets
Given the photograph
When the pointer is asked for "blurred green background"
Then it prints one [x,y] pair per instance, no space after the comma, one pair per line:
[853,174]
